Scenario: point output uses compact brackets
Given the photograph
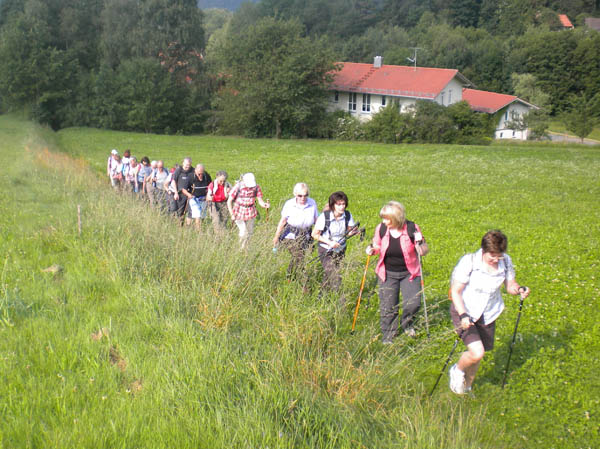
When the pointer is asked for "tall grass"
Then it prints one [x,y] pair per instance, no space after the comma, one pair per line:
[153,335]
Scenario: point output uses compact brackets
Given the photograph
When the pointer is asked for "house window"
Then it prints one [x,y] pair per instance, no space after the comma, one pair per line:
[442,98]
[450,96]
[336,96]
[366,103]
[506,115]
[501,135]
[514,134]
[352,102]
[383,100]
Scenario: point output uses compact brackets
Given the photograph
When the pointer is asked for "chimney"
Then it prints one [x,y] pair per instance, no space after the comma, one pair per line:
[377,62]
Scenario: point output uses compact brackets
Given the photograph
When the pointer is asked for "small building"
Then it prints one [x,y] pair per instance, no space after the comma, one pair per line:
[363,89]
[565,22]
[593,23]
[507,107]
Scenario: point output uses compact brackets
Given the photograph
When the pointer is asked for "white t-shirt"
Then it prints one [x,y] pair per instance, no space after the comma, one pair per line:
[301,216]
[161,178]
[336,231]
[481,294]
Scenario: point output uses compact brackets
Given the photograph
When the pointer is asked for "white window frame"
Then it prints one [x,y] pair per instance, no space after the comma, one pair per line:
[442,97]
[449,96]
[366,103]
[352,101]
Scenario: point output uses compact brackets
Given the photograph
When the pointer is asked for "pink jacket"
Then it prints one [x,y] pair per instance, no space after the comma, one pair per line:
[408,249]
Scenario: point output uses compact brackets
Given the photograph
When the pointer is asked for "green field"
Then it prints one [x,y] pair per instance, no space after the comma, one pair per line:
[559,127]
[158,336]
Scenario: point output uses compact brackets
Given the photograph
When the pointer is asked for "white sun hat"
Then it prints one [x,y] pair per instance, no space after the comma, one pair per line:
[249,180]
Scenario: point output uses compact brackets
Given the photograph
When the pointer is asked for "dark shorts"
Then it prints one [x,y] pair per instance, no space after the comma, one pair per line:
[478,332]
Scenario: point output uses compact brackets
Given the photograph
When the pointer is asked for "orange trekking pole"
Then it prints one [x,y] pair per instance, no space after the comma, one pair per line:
[362,286]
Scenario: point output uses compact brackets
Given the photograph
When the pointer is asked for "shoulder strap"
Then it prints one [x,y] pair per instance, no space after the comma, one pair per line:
[327,214]
[411,228]
[328,219]
[382,230]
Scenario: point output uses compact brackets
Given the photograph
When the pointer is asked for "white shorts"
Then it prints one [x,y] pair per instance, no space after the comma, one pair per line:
[197,208]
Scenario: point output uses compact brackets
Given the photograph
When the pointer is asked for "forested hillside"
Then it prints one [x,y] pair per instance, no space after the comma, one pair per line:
[168,66]
[230,5]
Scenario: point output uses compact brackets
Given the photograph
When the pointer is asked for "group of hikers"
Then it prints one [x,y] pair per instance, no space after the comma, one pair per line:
[476,301]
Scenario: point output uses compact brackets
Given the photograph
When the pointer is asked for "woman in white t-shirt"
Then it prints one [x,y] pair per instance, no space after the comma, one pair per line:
[331,229]
[294,229]
[477,303]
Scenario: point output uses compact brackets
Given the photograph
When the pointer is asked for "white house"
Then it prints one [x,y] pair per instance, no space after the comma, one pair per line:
[363,89]
[508,107]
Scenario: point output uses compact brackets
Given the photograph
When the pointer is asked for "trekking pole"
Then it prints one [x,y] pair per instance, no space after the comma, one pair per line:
[362,286]
[347,236]
[445,365]
[522,290]
[423,293]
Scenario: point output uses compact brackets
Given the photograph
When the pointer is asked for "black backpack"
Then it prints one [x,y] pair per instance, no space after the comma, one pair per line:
[410,228]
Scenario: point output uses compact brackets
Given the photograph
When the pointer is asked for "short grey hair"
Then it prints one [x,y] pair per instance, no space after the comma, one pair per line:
[222,173]
[299,188]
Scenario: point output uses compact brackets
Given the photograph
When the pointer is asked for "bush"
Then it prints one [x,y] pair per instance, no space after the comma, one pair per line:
[349,128]
[390,126]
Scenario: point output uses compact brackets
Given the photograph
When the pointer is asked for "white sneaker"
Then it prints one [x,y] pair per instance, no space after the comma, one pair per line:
[457,380]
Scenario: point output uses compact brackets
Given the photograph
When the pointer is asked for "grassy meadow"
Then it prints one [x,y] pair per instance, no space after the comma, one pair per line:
[151,335]
[559,127]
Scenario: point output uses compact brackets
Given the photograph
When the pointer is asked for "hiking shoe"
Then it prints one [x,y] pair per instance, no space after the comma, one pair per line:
[410,332]
[457,380]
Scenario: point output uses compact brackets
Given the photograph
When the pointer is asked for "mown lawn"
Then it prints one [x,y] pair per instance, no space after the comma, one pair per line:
[156,336]
[559,127]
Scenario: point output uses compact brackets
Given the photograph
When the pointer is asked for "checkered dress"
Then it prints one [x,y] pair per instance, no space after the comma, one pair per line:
[243,206]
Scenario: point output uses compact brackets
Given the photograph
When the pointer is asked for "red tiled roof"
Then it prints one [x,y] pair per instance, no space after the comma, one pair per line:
[395,80]
[490,102]
[564,20]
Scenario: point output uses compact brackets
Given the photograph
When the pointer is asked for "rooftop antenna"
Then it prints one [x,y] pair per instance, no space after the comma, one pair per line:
[414,58]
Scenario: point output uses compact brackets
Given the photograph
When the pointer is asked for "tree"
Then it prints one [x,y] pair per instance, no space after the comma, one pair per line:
[140,29]
[389,125]
[471,127]
[583,115]
[526,87]
[465,13]
[276,79]
[433,123]
[34,73]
